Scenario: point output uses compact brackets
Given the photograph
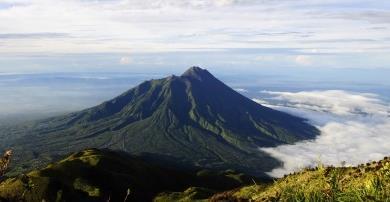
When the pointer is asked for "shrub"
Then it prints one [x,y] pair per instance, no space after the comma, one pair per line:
[4,162]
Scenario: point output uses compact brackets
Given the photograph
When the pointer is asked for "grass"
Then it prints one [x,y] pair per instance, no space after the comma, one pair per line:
[95,175]
[104,175]
[369,182]
[193,194]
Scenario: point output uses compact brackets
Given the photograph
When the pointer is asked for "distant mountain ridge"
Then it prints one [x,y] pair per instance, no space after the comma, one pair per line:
[192,120]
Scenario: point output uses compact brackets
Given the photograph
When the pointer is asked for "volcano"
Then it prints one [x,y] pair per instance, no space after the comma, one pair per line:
[192,120]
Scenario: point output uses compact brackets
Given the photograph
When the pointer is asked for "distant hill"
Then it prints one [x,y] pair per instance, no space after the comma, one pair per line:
[103,175]
[192,120]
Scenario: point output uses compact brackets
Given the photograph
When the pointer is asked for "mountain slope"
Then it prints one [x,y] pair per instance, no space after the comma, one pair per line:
[192,120]
[99,175]
[366,182]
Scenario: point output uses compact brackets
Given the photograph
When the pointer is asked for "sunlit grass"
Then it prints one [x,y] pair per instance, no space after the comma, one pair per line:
[369,182]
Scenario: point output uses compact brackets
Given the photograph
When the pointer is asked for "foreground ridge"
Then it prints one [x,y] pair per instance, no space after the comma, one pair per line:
[102,175]
[98,175]
[366,182]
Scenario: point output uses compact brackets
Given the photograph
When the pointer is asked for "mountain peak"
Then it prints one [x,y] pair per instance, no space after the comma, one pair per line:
[192,120]
[197,72]
[194,69]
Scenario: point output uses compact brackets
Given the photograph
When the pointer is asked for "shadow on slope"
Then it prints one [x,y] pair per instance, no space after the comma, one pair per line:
[101,175]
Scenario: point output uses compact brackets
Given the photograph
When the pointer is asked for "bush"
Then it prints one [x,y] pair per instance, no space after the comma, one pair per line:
[4,162]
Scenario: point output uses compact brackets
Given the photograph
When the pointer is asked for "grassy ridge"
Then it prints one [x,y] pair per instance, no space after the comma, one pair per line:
[99,175]
[368,182]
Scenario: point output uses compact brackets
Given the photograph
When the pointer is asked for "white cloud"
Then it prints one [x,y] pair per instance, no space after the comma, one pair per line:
[354,128]
[125,60]
[224,2]
[262,102]
[334,101]
[172,25]
[303,60]
[241,90]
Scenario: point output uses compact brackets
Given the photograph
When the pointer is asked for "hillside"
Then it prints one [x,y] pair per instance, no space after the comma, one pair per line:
[192,120]
[366,182]
[99,175]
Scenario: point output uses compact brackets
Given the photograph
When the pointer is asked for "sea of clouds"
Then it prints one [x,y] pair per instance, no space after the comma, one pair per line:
[355,128]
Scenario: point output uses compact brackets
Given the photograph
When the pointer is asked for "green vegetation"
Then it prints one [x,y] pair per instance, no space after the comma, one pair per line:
[101,175]
[370,182]
[193,120]
[196,194]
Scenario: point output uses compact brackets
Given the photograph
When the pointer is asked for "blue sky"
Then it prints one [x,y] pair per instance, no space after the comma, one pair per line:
[124,35]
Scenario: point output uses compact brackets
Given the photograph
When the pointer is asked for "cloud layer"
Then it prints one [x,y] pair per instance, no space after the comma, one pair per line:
[355,128]
[353,33]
